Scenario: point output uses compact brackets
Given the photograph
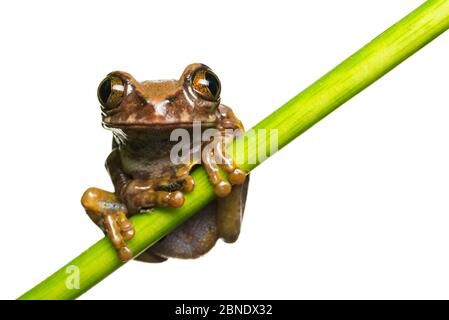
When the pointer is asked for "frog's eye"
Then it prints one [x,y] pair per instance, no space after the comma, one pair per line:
[111,91]
[206,83]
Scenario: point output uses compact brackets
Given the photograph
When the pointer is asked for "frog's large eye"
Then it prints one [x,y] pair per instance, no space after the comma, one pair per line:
[206,83]
[111,91]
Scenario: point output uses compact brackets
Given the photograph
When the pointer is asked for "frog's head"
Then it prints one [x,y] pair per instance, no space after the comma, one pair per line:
[129,104]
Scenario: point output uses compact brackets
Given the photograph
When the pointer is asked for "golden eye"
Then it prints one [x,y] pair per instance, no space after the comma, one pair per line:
[206,83]
[111,91]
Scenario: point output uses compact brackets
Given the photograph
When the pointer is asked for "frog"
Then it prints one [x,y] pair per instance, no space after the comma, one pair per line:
[142,117]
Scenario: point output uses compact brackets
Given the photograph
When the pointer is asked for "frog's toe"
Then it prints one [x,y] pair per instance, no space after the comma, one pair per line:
[189,184]
[237,176]
[222,188]
[127,230]
[124,253]
[175,199]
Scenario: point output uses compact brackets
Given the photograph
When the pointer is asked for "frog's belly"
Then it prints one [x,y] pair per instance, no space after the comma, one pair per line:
[149,169]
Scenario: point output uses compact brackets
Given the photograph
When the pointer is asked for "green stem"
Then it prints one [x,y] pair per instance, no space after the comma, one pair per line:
[300,113]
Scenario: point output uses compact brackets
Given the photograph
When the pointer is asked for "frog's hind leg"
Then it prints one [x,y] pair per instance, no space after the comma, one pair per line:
[192,239]
[148,256]
[219,219]
[111,216]
[230,212]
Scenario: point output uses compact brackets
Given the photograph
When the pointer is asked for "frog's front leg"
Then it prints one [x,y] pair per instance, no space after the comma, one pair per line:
[110,211]
[138,194]
[111,216]
[214,155]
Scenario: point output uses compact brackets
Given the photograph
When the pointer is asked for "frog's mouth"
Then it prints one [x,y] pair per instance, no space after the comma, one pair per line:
[158,126]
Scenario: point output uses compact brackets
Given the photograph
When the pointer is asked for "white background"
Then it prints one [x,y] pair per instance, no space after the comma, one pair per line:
[357,207]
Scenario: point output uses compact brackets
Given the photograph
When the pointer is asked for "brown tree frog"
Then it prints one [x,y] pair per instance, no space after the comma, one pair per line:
[141,116]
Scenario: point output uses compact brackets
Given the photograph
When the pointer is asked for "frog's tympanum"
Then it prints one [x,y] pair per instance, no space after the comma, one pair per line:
[141,116]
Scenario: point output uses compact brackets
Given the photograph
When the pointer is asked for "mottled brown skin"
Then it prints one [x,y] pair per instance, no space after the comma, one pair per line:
[141,116]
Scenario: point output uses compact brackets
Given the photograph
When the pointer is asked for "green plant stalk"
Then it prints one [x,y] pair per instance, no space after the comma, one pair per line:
[300,113]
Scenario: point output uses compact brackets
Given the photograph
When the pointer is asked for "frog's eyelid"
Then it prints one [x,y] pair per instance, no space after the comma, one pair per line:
[128,80]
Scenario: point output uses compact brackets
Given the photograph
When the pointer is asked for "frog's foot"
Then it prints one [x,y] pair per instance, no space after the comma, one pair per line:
[141,195]
[110,215]
[184,183]
[119,229]
[145,194]
[155,198]
[214,156]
